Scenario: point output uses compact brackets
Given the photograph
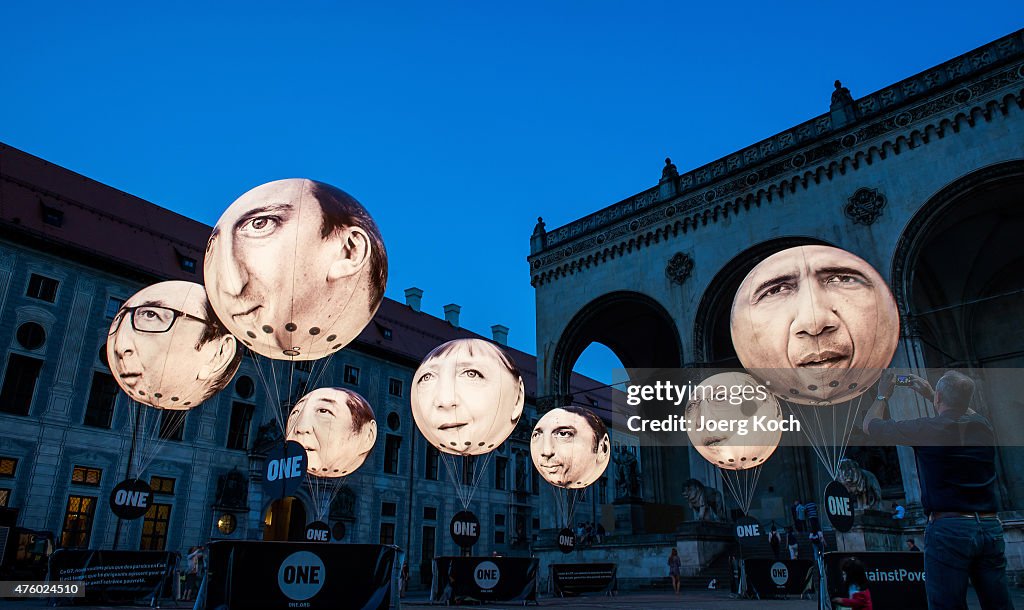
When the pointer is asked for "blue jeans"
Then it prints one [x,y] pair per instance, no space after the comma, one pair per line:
[958,548]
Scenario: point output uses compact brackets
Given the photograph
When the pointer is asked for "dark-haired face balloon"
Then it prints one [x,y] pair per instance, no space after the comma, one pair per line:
[570,447]
[295,269]
[467,397]
[741,402]
[165,351]
[816,323]
[337,428]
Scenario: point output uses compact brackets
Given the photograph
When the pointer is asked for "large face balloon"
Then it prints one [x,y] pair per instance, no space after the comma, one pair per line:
[296,269]
[736,399]
[570,447]
[815,323]
[467,396]
[167,349]
[337,428]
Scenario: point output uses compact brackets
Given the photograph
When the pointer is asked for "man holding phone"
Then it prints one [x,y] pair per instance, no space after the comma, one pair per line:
[955,457]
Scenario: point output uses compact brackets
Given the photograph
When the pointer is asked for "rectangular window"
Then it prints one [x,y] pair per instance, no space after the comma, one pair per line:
[84,475]
[499,537]
[430,513]
[238,427]
[114,305]
[154,528]
[351,374]
[8,466]
[500,473]
[468,469]
[395,387]
[99,410]
[388,509]
[391,446]
[42,288]
[5,497]
[187,263]
[430,464]
[602,491]
[536,523]
[534,482]
[387,533]
[52,216]
[19,384]
[161,485]
[499,519]
[172,424]
[78,521]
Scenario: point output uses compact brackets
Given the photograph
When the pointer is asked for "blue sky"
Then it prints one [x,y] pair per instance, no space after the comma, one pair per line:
[455,123]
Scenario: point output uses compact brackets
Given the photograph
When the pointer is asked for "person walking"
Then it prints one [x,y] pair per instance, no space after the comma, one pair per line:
[775,541]
[792,543]
[955,455]
[811,515]
[799,512]
[675,565]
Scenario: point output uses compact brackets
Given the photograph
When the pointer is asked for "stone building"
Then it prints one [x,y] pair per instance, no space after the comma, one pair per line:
[923,179]
[72,251]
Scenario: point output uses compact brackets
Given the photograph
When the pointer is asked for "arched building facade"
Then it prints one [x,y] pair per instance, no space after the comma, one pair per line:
[923,179]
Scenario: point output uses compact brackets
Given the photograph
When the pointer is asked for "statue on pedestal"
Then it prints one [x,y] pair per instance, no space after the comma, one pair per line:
[706,502]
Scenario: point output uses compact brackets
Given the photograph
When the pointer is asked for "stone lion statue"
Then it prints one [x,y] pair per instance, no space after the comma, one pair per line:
[862,484]
[706,502]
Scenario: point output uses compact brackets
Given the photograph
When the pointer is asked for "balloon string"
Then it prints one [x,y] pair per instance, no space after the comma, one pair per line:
[479,475]
[275,406]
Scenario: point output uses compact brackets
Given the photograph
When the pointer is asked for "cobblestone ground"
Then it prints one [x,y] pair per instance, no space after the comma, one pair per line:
[689,600]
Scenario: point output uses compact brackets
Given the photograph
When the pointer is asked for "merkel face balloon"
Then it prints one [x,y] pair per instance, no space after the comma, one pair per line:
[166,348]
[467,396]
[817,324]
[296,269]
[570,447]
[723,444]
[337,429]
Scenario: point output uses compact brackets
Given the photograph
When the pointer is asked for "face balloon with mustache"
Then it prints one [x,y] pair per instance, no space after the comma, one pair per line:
[816,324]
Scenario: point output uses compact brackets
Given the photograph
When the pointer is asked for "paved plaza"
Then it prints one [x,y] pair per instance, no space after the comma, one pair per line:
[690,600]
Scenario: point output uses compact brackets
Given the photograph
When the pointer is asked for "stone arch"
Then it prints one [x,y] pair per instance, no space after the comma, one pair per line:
[712,344]
[638,329]
[958,279]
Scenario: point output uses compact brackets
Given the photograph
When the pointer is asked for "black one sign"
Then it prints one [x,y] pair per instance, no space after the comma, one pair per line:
[839,506]
[566,540]
[770,577]
[257,574]
[465,529]
[748,529]
[131,498]
[318,531]
[284,469]
[484,578]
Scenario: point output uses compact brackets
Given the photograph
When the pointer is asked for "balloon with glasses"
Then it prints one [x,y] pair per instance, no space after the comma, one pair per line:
[169,353]
[816,325]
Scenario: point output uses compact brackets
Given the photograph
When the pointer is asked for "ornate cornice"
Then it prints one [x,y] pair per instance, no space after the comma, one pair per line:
[932,104]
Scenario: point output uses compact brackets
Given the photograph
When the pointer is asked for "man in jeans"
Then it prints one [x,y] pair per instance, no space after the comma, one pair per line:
[955,457]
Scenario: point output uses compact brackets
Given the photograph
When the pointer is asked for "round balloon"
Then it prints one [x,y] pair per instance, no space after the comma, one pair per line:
[337,429]
[570,447]
[296,269]
[167,349]
[733,401]
[816,324]
[467,396]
